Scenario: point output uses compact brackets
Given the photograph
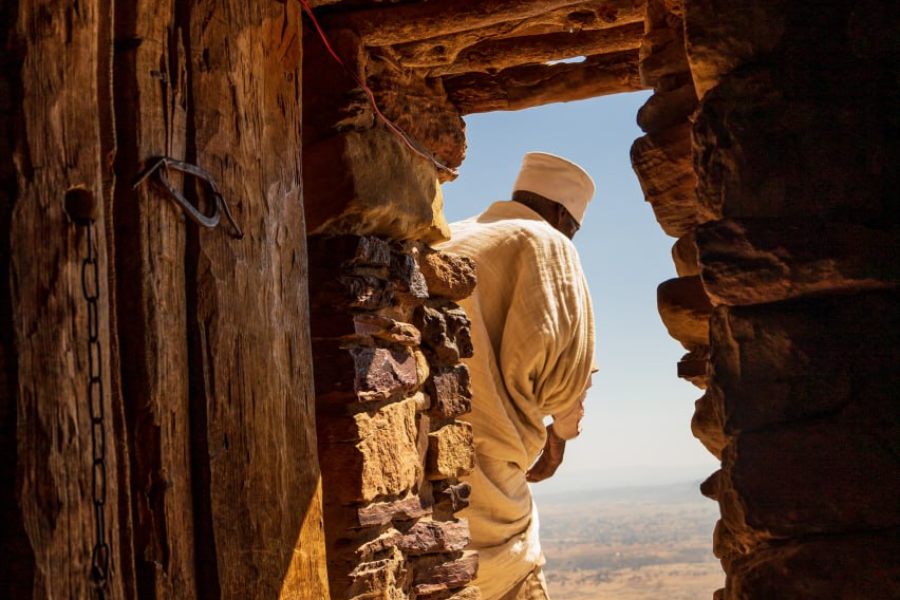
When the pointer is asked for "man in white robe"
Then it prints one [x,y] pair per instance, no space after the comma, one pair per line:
[533,332]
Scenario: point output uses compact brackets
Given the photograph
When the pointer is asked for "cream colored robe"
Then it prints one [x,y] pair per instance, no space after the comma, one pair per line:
[533,332]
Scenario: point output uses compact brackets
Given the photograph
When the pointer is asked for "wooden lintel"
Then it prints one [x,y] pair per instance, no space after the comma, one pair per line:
[391,25]
[496,55]
[518,88]
[586,16]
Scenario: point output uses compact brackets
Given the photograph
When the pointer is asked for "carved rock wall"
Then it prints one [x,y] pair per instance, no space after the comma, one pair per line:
[387,342]
[789,242]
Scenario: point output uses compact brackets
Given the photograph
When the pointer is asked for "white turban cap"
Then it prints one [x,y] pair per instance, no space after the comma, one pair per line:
[556,179]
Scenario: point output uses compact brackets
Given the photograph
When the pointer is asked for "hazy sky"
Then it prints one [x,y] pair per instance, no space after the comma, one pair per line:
[637,426]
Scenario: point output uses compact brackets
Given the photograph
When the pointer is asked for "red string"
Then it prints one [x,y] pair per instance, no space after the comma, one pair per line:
[400,133]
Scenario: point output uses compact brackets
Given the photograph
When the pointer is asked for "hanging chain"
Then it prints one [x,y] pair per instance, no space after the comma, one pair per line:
[90,287]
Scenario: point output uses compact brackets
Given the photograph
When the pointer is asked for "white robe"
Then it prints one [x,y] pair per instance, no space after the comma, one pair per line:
[533,332]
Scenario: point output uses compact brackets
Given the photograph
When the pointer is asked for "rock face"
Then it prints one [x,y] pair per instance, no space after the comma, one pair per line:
[793,236]
[387,346]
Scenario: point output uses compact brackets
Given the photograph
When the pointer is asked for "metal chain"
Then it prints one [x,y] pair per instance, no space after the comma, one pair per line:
[90,287]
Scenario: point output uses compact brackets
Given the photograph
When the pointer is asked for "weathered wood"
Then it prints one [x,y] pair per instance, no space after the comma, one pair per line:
[422,20]
[248,307]
[518,88]
[587,16]
[64,139]
[496,55]
[151,109]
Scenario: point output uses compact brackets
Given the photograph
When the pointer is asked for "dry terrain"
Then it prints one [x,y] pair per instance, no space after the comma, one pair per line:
[630,544]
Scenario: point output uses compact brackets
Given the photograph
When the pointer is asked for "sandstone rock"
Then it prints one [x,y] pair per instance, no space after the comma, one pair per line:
[722,35]
[684,253]
[410,507]
[786,362]
[429,537]
[435,573]
[694,367]
[466,593]
[382,372]
[726,546]
[839,568]
[346,292]
[345,191]
[824,477]
[662,53]
[379,458]
[445,334]
[685,310]
[451,451]
[450,391]
[380,579]
[707,425]
[355,327]
[384,541]
[337,253]
[667,109]
[812,128]
[754,261]
[406,274]
[448,275]
[665,170]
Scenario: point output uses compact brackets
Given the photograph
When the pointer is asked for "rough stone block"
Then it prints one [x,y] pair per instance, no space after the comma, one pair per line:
[662,53]
[350,292]
[383,372]
[694,367]
[337,253]
[664,166]
[685,310]
[406,274]
[383,579]
[754,261]
[684,254]
[707,425]
[448,275]
[451,451]
[441,572]
[466,593]
[824,477]
[355,327]
[429,537]
[411,507]
[832,131]
[796,361]
[379,457]
[345,188]
[722,35]
[450,391]
[667,109]
[445,334]
[838,568]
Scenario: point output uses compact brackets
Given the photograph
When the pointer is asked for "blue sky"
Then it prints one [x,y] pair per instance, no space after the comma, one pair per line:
[637,426]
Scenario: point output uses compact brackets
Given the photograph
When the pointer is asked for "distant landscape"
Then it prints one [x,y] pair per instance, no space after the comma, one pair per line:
[639,543]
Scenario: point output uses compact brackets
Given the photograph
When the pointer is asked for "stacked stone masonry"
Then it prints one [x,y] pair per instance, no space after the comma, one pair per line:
[780,185]
[388,337]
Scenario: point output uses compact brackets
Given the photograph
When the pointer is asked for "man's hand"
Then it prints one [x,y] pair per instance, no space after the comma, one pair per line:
[550,458]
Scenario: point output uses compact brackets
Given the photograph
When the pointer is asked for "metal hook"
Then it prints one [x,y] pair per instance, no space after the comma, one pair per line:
[161,166]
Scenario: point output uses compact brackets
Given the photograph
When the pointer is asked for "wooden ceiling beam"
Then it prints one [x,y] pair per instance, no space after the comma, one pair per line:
[495,55]
[586,16]
[404,23]
[518,88]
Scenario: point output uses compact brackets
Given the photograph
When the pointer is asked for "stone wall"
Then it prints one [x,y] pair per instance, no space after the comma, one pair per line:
[387,343]
[781,187]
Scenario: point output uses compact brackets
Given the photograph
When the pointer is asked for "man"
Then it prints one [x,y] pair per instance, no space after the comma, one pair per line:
[533,332]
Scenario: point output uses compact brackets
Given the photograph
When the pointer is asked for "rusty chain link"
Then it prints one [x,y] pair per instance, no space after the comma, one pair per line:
[90,287]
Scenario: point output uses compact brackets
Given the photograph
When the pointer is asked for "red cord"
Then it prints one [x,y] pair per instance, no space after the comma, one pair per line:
[400,133]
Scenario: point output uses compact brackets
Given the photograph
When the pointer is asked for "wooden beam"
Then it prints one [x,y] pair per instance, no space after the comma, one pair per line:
[587,16]
[422,20]
[518,88]
[496,55]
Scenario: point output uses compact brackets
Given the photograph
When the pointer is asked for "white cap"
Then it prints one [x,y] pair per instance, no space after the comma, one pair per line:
[556,179]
